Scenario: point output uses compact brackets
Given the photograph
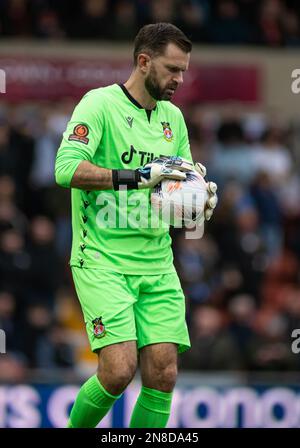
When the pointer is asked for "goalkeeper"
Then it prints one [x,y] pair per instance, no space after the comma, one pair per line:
[129,136]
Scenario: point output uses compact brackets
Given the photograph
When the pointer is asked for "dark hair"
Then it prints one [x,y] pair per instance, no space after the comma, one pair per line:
[154,38]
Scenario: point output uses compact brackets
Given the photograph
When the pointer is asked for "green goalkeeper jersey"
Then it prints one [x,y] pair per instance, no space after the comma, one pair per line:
[112,229]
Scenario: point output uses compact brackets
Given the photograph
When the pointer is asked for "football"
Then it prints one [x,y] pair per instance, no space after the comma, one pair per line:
[180,203]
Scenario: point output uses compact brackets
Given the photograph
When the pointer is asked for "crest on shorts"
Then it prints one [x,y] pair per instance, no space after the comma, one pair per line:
[99,329]
[168,134]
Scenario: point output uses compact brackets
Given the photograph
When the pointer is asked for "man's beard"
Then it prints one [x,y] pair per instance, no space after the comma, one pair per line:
[154,89]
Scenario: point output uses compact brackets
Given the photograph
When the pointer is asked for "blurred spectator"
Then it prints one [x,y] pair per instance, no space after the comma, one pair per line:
[232,158]
[45,271]
[8,319]
[270,22]
[254,125]
[191,19]
[15,18]
[162,11]
[48,25]
[13,369]
[62,353]
[270,215]
[229,284]
[236,231]
[288,194]
[242,313]
[280,277]
[45,343]
[271,349]
[93,20]
[213,347]
[228,25]
[124,23]
[197,261]
[16,156]
[269,29]
[36,326]
[14,261]
[272,157]
[7,157]
[42,170]
[10,215]
[292,309]
[291,29]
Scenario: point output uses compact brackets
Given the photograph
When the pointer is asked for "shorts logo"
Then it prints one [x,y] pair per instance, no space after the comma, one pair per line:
[99,328]
[168,134]
[79,134]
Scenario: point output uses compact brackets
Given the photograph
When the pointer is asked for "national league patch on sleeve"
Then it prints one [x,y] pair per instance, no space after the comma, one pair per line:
[80,132]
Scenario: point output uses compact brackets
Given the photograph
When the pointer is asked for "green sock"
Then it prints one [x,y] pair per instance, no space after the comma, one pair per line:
[92,403]
[152,409]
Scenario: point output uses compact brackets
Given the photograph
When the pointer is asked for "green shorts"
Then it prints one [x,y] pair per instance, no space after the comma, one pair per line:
[119,307]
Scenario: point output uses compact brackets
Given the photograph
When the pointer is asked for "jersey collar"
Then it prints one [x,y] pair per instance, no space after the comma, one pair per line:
[136,103]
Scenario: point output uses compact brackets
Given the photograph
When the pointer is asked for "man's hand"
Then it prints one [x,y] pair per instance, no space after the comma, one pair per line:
[211,190]
[163,168]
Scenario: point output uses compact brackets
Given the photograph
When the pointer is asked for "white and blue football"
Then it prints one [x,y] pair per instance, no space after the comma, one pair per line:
[180,203]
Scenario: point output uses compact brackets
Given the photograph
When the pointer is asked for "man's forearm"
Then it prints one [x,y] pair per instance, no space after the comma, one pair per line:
[92,177]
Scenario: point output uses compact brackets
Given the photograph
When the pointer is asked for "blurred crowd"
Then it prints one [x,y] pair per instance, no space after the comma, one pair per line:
[271,23]
[241,279]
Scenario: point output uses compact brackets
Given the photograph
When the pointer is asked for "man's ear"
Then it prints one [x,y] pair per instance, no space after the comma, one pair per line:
[143,62]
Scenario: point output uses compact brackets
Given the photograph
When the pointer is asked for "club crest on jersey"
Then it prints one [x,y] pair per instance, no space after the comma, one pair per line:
[168,134]
[99,329]
[79,134]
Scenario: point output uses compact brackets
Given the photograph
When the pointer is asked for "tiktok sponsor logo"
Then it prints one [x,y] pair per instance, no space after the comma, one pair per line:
[140,157]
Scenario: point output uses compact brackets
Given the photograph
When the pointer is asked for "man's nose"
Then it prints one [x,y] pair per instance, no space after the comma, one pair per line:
[179,78]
